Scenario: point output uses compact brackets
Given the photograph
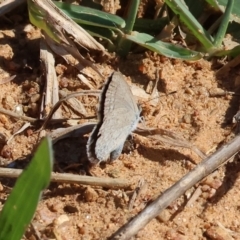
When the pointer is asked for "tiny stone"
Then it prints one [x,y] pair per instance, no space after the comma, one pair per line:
[212,193]
[1,187]
[187,118]
[19,109]
[164,216]
[205,188]
[217,233]
[61,219]
[90,194]
[55,207]
[205,195]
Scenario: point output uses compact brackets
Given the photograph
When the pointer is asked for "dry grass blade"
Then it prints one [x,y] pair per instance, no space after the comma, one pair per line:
[137,192]
[74,104]
[51,96]
[171,194]
[70,54]
[17,116]
[85,81]
[62,24]
[23,128]
[168,137]
[73,178]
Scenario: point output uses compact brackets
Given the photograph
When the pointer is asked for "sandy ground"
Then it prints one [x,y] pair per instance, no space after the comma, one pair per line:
[186,106]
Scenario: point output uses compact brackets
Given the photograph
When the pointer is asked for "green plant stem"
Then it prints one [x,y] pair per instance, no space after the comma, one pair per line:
[224,24]
[123,44]
[131,15]
[191,22]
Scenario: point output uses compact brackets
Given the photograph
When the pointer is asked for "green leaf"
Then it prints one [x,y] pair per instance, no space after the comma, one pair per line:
[91,16]
[22,202]
[166,49]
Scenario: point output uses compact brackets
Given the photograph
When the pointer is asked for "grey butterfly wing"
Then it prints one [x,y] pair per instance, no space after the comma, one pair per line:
[119,95]
[109,141]
[118,116]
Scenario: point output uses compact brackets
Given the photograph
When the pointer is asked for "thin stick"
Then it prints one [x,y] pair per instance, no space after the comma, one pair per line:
[33,120]
[71,95]
[73,178]
[227,67]
[168,137]
[15,115]
[171,194]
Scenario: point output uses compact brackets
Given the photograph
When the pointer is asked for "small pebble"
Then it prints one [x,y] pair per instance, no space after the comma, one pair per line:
[6,152]
[61,219]
[217,233]
[164,216]
[90,194]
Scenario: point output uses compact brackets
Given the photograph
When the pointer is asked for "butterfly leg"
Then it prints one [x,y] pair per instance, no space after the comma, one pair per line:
[116,153]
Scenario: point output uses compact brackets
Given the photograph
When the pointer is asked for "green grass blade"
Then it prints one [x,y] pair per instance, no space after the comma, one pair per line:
[232,52]
[103,33]
[89,16]
[235,11]
[95,31]
[123,46]
[224,24]
[166,49]
[22,202]
[131,15]
[180,9]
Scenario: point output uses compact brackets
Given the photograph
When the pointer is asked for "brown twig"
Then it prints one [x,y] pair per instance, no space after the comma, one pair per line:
[73,178]
[170,138]
[71,95]
[171,194]
[15,115]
